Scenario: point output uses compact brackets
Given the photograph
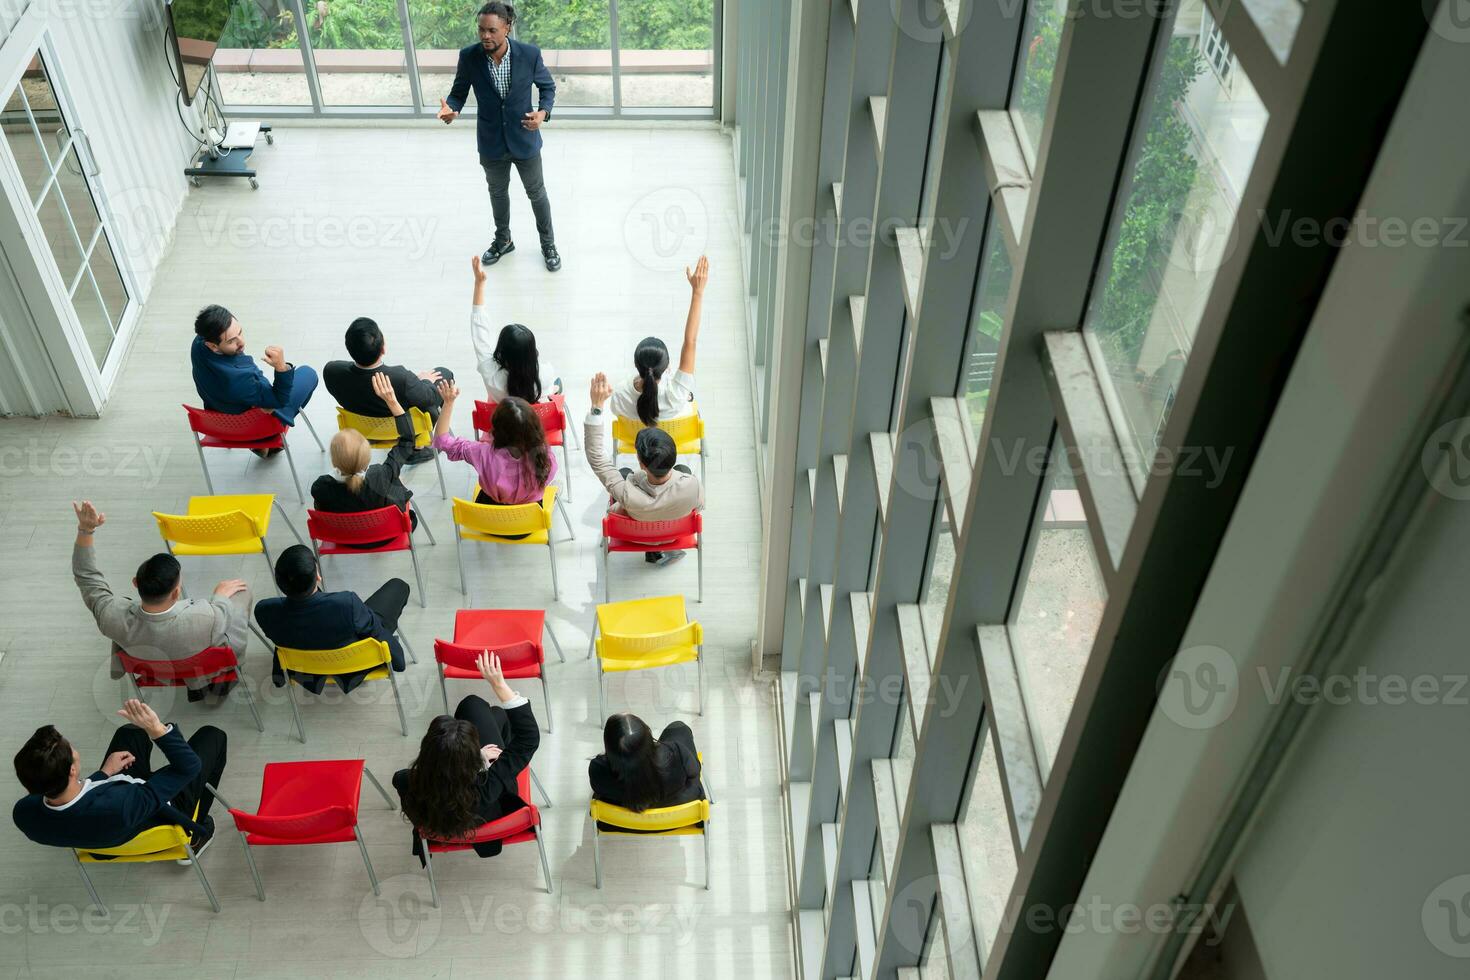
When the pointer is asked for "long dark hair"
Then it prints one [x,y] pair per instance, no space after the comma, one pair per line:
[632,753]
[515,351]
[516,426]
[442,798]
[652,360]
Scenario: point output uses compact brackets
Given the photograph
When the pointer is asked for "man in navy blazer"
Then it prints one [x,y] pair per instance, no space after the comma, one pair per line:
[310,619]
[501,71]
[124,796]
[229,380]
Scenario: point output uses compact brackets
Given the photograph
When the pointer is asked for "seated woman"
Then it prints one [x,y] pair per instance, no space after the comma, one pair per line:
[650,396]
[515,466]
[465,773]
[638,772]
[511,365]
[354,485]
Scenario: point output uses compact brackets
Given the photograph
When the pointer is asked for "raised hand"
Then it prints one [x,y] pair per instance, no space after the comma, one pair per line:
[448,391]
[383,388]
[700,276]
[275,357]
[446,114]
[89,518]
[143,716]
[490,669]
[480,274]
[601,390]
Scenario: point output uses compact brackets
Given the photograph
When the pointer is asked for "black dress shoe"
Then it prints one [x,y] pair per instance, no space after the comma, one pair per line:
[496,250]
[553,260]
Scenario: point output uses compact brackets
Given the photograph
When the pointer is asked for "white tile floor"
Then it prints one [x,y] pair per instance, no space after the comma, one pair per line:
[382,222]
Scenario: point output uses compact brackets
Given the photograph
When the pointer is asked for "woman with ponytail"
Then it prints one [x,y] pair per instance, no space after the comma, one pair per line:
[354,485]
[651,396]
[509,362]
[640,772]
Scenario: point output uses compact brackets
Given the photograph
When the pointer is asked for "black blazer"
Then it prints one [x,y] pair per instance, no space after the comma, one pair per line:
[676,764]
[323,621]
[115,812]
[499,133]
[496,784]
[352,386]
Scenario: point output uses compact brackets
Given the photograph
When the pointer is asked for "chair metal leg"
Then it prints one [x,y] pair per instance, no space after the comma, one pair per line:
[566,470]
[592,639]
[403,638]
[443,487]
[418,575]
[566,515]
[249,699]
[606,574]
[601,697]
[707,867]
[194,863]
[545,696]
[545,865]
[398,700]
[207,481]
[555,588]
[379,787]
[703,459]
[699,663]
[295,711]
[87,880]
[295,477]
[429,867]
[459,554]
[270,564]
[254,871]
[312,429]
[424,526]
[699,558]
[261,636]
[596,855]
[560,657]
[285,517]
[372,876]
[570,429]
[537,783]
[444,689]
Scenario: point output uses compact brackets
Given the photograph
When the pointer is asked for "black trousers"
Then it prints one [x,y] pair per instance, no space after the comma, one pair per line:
[208,743]
[497,179]
[489,719]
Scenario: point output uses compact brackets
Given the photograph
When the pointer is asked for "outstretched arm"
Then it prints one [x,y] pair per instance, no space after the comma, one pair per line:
[96,594]
[697,280]
[481,332]
[448,391]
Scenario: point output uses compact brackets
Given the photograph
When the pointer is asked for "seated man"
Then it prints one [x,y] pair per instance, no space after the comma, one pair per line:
[124,796]
[351,382]
[310,619]
[662,491]
[229,381]
[160,624]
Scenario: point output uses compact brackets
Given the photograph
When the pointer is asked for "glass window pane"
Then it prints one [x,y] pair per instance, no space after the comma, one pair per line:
[259,57]
[56,225]
[937,585]
[986,848]
[358,45]
[575,39]
[95,325]
[25,143]
[666,52]
[109,282]
[1278,21]
[1061,603]
[74,189]
[1034,69]
[1199,143]
[990,311]
[903,756]
[439,31]
[936,140]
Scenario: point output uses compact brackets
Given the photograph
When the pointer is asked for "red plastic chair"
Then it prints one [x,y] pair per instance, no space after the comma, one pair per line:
[311,802]
[516,828]
[343,534]
[254,429]
[620,533]
[214,663]
[553,415]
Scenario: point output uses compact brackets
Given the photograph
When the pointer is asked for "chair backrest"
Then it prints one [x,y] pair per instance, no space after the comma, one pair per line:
[624,528]
[512,657]
[516,822]
[657,820]
[551,412]
[363,655]
[505,519]
[359,527]
[634,647]
[254,425]
[683,430]
[382,431]
[205,663]
[296,826]
[161,843]
[207,529]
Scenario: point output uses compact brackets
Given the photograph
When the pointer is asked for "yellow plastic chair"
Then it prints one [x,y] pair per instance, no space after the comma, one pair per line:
[492,523]
[165,843]
[687,432]
[381,432]
[368,654]
[684,820]
[234,524]
[642,634]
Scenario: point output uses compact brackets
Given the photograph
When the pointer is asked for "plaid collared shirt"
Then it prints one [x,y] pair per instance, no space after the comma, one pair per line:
[500,74]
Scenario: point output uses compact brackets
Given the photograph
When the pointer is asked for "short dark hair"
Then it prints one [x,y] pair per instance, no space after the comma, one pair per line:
[296,571]
[43,764]
[504,11]
[656,450]
[364,341]
[157,577]
[212,322]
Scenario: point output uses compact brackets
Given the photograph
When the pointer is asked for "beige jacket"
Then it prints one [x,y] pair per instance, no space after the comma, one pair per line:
[634,495]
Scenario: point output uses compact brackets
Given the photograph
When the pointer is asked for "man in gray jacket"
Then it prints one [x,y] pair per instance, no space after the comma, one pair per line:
[161,624]
[661,491]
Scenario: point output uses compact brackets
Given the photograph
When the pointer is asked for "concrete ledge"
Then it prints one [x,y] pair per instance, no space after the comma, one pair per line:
[444,60]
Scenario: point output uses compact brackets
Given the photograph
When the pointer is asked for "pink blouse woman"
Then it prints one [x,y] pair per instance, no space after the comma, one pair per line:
[515,466]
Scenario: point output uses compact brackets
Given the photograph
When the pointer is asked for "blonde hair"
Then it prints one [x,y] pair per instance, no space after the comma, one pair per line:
[350,455]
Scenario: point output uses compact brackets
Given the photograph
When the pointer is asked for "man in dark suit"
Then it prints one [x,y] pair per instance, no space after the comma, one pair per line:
[501,71]
[351,382]
[310,619]
[124,796]
[229,381]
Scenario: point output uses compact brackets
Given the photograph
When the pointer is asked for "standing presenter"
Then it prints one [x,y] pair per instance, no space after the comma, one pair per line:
[502,70]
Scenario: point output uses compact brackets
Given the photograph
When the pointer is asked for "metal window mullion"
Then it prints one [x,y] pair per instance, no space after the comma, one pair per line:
[308,55]
[410,56]
[717,57]
[613,51]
